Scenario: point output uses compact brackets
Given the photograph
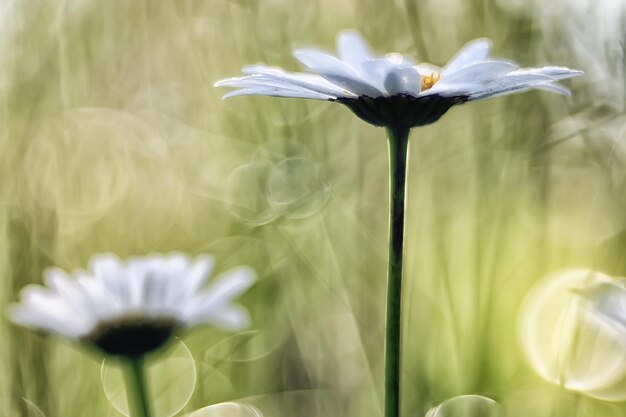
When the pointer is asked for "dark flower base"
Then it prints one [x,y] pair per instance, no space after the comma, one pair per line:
[402,110]
[132,338]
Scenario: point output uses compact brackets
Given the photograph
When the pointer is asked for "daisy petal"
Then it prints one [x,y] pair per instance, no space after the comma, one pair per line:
[509,84]
[109,269]
[313,82]
[403,81]
[352,49]
[297,82]
[557,73]
[49,321]
[277,92]
[198,275]
[71,293]
[474,51]
[376,71]
[136,274]
[217,297]
[230,284]
[175,270]
[43,310]
[335,71]
[427,69]
[105,266]
[554,88]
[232,317]
[103,305]
[479,72]
[451,90]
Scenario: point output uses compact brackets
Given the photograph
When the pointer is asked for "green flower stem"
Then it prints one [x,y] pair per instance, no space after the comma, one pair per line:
[136,389]
[398,144]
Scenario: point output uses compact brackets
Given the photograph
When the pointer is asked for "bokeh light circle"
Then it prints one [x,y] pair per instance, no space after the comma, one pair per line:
[248,200]
[298,187]
[227,409]
[560,339]
[467,406]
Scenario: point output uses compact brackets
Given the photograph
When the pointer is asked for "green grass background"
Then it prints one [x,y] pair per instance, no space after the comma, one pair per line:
[113,139]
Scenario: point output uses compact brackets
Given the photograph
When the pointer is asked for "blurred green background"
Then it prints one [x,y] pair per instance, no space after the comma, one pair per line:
[112,139]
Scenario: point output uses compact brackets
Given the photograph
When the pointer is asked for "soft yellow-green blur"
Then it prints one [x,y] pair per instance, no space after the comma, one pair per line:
[112,138]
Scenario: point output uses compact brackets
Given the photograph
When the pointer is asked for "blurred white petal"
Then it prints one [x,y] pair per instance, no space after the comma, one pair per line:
[105,266]
[71,293]
[197,275]
[44,310]
[146,298]
[229,285]
[47,321]
[232,317]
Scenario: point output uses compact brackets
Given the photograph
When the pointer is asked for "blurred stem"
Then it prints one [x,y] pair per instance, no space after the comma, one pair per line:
[136,388]
[398,144]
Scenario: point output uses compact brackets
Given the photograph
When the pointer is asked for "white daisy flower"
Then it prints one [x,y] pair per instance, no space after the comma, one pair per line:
[130,308]
[392,90]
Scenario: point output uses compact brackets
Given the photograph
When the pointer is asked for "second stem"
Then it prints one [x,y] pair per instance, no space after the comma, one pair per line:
[398,141]
[136,389]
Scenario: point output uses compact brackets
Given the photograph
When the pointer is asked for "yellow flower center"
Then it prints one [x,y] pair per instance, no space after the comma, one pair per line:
[429,80]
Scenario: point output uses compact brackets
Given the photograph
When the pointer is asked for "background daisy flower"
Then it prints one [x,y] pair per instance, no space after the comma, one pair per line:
[130,308]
